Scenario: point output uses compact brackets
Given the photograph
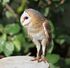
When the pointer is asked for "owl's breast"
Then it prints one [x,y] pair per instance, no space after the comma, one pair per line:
[37,35]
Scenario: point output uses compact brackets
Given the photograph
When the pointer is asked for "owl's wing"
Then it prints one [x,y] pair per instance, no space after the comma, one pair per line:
[47,29]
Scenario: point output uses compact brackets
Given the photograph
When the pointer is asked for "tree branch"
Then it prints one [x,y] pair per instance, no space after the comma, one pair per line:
[11,10]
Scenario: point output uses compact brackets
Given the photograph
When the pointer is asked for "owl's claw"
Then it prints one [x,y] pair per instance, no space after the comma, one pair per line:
[36,59]
[43,59]
[39,59]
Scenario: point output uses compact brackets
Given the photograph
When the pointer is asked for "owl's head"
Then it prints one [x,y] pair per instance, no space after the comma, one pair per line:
[25,18]
[31,16]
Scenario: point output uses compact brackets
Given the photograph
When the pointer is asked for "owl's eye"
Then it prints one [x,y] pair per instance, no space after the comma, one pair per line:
[26,17]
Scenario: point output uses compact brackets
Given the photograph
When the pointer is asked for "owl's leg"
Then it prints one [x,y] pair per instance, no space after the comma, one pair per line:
[44,43]
[37,43]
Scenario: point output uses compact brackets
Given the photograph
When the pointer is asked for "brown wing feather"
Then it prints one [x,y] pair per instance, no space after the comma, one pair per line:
[47,29]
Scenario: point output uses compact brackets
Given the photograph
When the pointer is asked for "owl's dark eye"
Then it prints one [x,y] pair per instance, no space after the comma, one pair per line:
[26,17]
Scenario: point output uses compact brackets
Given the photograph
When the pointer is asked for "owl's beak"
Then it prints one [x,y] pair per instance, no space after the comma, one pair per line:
[23,20]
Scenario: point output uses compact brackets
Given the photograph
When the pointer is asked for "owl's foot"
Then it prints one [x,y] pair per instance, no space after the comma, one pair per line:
[40,59]
[36,59]
[43,59]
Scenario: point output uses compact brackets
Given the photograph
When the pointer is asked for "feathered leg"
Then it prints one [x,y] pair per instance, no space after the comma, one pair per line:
[38,46]
[44,43]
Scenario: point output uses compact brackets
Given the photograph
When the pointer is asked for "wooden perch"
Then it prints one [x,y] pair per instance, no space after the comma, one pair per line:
[21,62]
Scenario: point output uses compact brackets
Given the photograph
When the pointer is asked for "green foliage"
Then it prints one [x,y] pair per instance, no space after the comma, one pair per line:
[14,39]
[12,29]
[2,42]
[67,61]
[22,6]
[53,58]
[9,41]
[46,11]
[8,48]
[60,39]
[17,44]
[5,2]
[8,14]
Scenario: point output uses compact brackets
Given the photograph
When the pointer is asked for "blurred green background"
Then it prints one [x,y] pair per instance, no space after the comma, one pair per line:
[14,39]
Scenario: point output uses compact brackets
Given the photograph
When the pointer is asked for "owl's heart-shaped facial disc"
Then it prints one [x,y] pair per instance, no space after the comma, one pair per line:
[25,19]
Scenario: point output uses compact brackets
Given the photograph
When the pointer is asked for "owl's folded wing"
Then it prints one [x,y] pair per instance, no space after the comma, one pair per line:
[47,29]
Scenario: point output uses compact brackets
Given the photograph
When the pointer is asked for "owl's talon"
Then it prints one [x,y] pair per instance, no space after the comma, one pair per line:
[40,59]
[36,59]
[43,59]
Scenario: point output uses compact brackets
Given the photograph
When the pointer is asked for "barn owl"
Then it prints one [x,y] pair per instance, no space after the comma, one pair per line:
[38,30]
